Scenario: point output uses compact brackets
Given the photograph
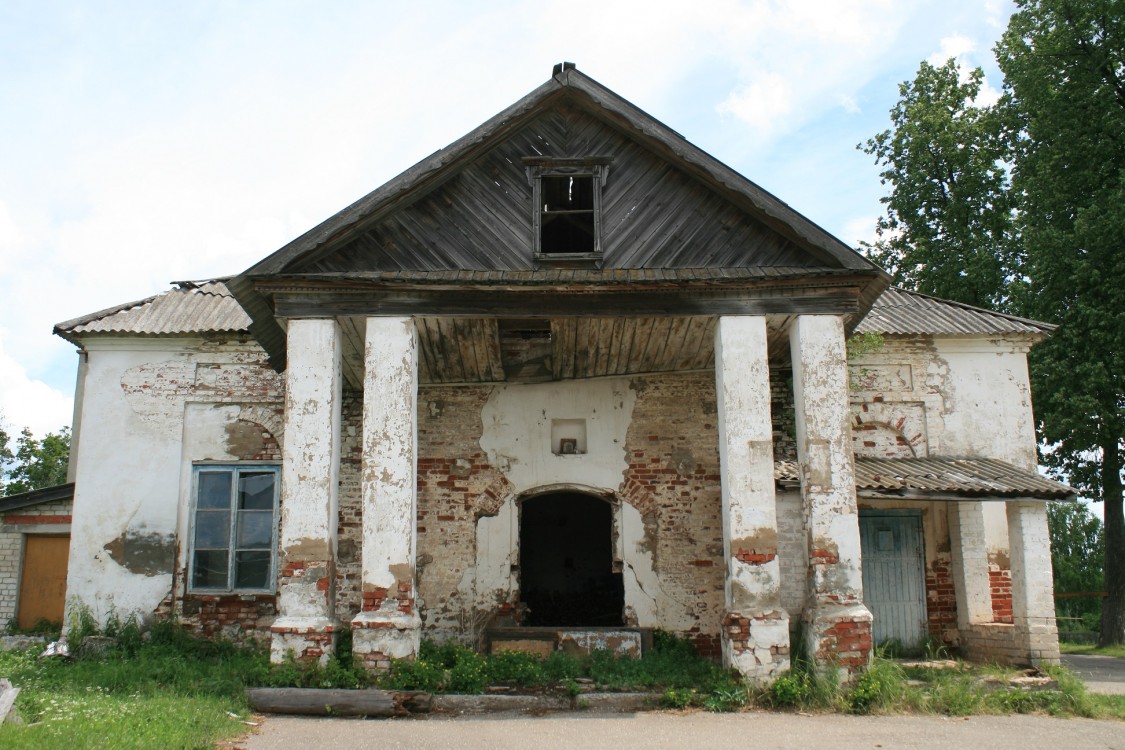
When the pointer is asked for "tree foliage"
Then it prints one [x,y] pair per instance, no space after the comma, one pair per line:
[1063,63]
[34,463]
[947,229]
[1076,559]
[1045,243]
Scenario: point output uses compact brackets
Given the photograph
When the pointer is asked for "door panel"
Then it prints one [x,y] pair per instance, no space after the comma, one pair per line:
[893,576]
[43,585]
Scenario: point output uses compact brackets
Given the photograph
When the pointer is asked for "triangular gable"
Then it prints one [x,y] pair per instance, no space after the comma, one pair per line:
[468,206]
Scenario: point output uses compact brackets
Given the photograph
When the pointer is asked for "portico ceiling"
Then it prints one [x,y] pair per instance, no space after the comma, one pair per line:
[491,350]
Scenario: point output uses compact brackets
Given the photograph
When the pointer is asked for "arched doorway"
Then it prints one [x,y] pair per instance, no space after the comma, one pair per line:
[566,561]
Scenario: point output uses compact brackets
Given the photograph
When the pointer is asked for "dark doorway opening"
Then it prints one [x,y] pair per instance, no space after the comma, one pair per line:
[566,562]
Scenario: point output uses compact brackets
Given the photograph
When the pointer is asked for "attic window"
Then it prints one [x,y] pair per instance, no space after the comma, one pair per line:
[567,207]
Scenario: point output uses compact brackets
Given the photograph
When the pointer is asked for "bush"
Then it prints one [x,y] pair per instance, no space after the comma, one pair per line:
[880,686]
[517,668]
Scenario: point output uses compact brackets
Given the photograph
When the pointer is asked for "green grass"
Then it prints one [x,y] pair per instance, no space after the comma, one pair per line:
[166,691]
[672,667]
[1091,649]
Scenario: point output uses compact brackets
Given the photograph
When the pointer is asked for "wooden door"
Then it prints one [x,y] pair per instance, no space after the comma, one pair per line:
[894,586]
[43,586]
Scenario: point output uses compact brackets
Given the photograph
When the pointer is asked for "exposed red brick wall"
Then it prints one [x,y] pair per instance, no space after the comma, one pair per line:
[846,644]
[1000,582]
[941,601]
[349,537]
[672,446]
[37,519]
[456,486]
[214,615]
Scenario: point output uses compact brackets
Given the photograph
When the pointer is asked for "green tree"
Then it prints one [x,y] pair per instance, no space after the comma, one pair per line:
[954,223]
[948,223]
[6,457]
[1064,62]
[34,464]
[1076,559]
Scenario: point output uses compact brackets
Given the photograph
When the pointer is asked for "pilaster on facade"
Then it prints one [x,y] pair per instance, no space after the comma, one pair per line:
[837,624]
[306,623]
[388,625]
[1033,605]
[755,635]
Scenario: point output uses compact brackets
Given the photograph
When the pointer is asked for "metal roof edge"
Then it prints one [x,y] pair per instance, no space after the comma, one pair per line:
[37,497]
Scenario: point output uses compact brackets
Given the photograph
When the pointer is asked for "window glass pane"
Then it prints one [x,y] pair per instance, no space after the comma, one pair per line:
[252,570]
[212,529]
[210,569]
[214,489]
[255,490]
[255,529]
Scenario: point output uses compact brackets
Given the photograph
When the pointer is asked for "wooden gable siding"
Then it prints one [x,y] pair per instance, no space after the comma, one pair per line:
[654,215]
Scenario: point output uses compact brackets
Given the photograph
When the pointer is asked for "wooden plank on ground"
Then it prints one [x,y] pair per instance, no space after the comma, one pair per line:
[318,702]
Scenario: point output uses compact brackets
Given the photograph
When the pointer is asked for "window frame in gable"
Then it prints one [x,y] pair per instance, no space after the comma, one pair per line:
[596,169]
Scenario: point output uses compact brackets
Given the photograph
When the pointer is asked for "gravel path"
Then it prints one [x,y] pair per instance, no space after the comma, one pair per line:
[652,731]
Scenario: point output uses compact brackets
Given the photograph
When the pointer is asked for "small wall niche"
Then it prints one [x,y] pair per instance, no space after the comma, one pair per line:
[568,437]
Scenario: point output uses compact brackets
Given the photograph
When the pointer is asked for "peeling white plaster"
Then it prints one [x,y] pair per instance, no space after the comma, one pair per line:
[517,432]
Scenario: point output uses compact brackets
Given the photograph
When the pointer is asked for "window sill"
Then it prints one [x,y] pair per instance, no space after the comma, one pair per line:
[569,260]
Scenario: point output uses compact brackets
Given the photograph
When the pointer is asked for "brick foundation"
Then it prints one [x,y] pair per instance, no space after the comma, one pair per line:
[843,641]
[231,616]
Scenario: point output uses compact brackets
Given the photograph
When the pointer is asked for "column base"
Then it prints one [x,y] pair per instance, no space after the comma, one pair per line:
[839,636]
[303,639]
[378,637]
[757,645]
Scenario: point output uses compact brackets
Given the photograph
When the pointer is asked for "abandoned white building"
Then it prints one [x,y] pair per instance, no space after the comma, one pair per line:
[569,375]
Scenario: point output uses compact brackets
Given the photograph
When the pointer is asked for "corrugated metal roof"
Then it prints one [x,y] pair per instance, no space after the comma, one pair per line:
[897,311]
[201,307]
[921,478]
[208,306]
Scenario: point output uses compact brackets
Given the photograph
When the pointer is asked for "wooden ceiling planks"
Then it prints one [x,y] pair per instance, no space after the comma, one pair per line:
[352,349]
[468,350]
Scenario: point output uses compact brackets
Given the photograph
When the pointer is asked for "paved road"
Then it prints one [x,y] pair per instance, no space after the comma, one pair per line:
[1102,674]
[654,731]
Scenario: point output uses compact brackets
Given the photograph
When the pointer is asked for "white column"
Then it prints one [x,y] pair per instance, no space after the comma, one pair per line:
[309,481]
[1033,604]
[969,558]
[837,624]
[388,625]
[755,625]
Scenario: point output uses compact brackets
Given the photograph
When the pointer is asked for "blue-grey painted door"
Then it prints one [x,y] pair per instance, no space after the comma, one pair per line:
[894,585]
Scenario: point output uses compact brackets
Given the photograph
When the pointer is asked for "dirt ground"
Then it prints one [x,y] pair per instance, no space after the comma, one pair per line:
[652,731]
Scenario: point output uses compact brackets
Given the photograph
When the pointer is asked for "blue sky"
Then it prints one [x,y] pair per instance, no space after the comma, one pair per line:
[147,142]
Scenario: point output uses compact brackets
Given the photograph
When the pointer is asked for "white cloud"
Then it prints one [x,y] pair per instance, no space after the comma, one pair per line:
[30,403]
[169,141]
[761,104]
[859,229]
[956,46]
[849,103]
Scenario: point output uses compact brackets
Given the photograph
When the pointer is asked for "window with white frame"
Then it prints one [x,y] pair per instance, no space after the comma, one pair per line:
[234,528]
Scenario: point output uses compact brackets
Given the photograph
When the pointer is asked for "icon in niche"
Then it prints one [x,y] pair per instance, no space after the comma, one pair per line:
[568,446]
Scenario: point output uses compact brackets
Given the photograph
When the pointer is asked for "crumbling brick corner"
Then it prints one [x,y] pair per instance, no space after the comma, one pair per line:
[840,637]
